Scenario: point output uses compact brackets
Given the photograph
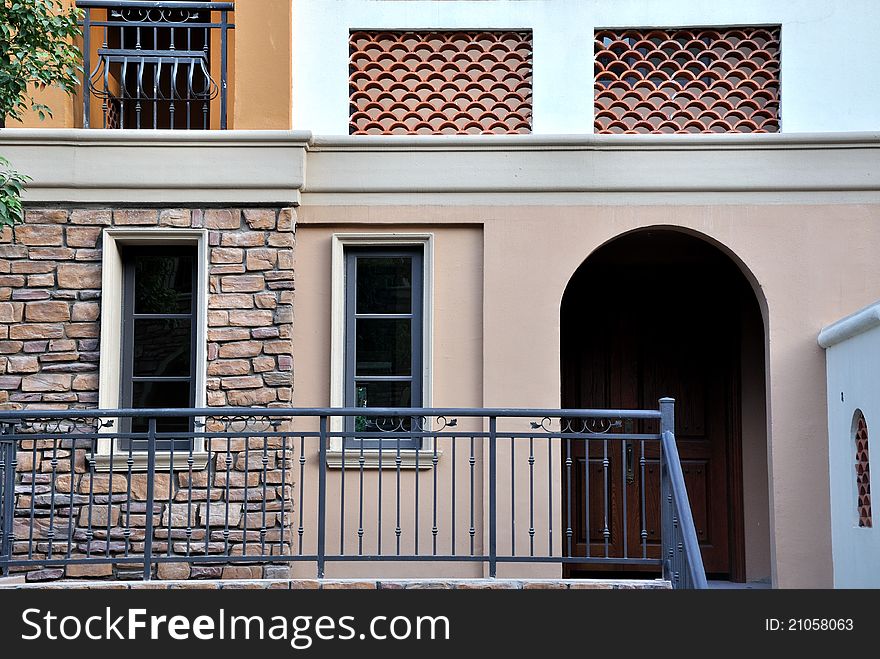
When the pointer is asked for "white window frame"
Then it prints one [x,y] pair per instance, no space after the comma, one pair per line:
[109,368]
[410,458]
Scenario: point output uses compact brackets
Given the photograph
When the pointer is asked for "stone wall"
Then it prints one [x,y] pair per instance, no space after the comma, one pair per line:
[50,295]
[282,582]
[50,291]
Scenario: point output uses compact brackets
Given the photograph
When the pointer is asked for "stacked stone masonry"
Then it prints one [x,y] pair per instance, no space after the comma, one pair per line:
[50,303]
[281,581]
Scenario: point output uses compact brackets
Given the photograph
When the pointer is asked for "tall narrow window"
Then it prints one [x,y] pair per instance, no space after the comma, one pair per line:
[383,333]
[863,470]
[158,338]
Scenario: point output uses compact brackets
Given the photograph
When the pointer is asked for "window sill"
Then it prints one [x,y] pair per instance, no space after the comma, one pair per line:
[409,458]
[103,462]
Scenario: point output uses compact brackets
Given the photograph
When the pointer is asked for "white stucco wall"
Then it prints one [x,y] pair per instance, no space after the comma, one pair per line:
[828,52]
[853,368]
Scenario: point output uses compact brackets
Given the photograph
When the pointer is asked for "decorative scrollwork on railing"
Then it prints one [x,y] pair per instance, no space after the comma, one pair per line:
[66,425]
[174,74]
[403,424]
[157,66]
[258,423]
[154,15]
[578,425]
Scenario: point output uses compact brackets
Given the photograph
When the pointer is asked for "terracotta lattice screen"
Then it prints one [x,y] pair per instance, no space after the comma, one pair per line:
[687,80]
[421,82]
[863,470]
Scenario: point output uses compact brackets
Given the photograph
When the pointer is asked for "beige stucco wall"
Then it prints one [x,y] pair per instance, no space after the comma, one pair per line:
[792,252]
[456,382]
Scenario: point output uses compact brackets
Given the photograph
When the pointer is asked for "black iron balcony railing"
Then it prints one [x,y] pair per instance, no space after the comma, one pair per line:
[487,487]
[156,64]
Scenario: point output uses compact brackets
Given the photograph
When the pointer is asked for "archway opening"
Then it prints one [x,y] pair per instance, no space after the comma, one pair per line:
[659,312]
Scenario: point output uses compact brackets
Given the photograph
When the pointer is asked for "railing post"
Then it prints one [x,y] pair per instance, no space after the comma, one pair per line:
[151,477]
[667,526]
[224,46]
[493,527]
[87,65]
[7,500]
[322,496]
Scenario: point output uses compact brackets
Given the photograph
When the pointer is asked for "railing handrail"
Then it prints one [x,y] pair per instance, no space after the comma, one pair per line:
[691,546]
[145,4]
[499,412]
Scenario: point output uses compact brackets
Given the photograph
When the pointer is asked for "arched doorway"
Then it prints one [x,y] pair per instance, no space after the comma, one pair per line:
[658,312]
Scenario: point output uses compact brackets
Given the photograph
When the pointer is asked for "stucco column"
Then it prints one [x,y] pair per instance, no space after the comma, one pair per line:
[261,80]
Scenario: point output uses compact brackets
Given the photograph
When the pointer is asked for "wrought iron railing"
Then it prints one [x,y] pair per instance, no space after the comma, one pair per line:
[133,490]
[157,64]
[682,562]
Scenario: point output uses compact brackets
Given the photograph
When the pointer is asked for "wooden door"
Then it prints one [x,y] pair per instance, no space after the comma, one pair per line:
[642,347]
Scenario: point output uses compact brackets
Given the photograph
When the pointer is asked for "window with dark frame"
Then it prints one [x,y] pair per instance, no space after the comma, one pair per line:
[383,339]
[159,321]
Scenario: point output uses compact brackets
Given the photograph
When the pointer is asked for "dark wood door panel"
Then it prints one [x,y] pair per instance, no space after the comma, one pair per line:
[625,362]
[654,314]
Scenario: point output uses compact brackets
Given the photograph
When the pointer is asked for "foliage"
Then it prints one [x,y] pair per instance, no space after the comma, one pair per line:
[37,47]
[11,184]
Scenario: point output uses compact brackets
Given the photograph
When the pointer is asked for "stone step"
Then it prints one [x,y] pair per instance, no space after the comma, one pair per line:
[351,584]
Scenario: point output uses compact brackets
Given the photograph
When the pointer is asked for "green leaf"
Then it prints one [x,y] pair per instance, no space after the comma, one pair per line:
[38,46]
[11,187]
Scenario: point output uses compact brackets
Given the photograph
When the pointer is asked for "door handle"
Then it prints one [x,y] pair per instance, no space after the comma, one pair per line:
[630,473]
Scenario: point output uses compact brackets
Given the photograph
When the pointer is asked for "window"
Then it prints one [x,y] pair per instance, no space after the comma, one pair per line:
[159,322]
[383,334]
[863,470]
[696,80]
[431,82]
[394,370]
[173,266]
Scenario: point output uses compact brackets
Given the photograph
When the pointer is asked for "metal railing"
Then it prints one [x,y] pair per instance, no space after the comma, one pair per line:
[134,489]
[157,65]
[682,561]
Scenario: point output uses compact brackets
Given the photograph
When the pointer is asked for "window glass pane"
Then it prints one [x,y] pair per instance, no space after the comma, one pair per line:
[160,394]
[383,394]
[163,425]
[384,284]
[163,284]
[162,347]
[384,346]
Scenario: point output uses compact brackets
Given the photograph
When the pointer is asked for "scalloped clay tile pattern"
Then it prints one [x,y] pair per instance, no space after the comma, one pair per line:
[687,80]
[863,473]
[440,82]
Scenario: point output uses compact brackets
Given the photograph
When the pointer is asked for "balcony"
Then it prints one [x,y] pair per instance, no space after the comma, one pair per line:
[159,65]
[133,494]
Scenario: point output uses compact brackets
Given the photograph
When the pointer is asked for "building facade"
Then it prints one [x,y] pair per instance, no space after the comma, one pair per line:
[506,204]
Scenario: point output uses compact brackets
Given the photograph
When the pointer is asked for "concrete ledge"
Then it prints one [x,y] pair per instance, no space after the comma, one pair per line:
[596,163]
[163,167]
[352,584]
[537,142]
[856,323]
[180,168]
